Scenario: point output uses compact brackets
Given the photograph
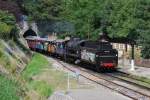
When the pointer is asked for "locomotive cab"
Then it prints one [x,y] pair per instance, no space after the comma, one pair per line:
[73,48]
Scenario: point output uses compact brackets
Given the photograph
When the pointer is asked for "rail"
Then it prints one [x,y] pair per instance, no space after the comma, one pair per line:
[102,80]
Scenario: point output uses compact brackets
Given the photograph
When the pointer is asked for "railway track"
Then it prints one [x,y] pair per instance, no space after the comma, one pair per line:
[131,80]
[112,82]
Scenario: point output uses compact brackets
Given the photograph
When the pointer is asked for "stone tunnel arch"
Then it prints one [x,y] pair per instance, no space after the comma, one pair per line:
[29,32]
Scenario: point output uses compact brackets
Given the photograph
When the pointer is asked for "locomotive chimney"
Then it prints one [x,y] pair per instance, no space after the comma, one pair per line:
[103,37]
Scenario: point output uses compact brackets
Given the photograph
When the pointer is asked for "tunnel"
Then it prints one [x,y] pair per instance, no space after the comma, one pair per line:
[29,32]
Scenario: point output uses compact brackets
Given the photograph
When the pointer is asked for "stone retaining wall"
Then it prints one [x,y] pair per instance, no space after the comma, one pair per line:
[143,62]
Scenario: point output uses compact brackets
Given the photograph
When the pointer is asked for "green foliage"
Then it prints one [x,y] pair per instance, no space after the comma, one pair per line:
[8,89]
[82,14]
[35,66]
[43,88]
[4,30]
[119,18]
[113,15]
[62,36]
[143,27]
[42,9]
[145,45]
[7,18]
[7,23]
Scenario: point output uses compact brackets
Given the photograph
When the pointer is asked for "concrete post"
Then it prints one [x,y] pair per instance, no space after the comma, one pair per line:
[68,83]
[132,59]
[123,59]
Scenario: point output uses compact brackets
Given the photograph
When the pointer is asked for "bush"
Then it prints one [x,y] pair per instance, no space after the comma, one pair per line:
[5,30]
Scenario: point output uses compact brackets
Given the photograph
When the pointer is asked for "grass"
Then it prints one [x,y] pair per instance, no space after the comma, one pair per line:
[143,79]
[38,81]
[57,79]
[42,87]
[35,67]
[8,89]
[42,79]
[140,81]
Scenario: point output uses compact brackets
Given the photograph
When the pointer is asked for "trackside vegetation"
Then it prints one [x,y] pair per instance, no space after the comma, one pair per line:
[41,79]
[7,25]
[42,87]
[9,90]
[35,67]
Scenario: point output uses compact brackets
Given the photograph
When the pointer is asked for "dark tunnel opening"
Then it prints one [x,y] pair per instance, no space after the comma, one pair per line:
[29,32]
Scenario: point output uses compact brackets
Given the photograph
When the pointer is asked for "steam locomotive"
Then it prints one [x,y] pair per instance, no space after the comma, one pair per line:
[98,53]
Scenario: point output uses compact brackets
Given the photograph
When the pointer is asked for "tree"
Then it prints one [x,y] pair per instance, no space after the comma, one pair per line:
[82,14]
[7,23]
[119,18]
[42,9]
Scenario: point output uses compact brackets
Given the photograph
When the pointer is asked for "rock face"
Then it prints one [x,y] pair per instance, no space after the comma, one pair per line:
[25,26]
[143,62]
[13,58]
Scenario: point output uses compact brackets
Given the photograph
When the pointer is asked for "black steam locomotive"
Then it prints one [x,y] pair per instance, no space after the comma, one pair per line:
[98,53]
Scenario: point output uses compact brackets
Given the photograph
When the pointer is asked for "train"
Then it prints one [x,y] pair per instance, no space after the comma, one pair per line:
[99,53]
